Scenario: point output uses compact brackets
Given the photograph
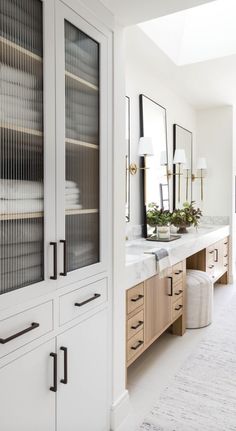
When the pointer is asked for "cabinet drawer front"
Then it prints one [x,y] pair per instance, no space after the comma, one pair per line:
[135,345]
[177,291]
[177,308]
[22,328]
[177,273]
[82,300]
[135,324]
[135,298]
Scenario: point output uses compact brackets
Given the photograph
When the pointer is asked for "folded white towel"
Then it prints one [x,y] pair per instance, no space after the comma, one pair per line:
[17,76]
[71,184]
[18,189]
[21,206]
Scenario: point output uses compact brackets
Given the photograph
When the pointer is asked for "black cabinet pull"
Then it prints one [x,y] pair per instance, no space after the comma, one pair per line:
[18,334]
[54,276]
[179,292]
[211,266]
[137,346]
[171,286]
[137,298]
[216,255]
[54,387]
[225,255]
[140,323]
[226,264]
[178,272]
[211,252]
[65,379]
[64,273]
[179,307]
[80,304]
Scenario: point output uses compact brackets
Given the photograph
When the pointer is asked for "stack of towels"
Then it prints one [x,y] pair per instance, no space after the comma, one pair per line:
[21,99]
[81,54]
[21,22]
[18,197]
[82,119]
[21,253]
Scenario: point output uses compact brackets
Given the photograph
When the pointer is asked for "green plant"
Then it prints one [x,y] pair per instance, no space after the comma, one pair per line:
[186,216]
[157,216]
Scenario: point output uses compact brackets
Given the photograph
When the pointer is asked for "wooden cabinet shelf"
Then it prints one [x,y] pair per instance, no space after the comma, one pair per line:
[81,211]
[79,82]
[81,143]
[20,216]
[17,129]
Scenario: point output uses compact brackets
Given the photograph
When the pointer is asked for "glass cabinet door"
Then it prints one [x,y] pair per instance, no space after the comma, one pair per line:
[22,139]
[83,143]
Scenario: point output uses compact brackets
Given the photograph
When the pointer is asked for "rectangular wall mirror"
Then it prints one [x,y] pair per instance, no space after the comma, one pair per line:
[153,124]
[182,184]
[127,158]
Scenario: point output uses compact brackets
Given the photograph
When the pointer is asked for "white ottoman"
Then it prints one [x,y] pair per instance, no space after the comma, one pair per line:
[199,306]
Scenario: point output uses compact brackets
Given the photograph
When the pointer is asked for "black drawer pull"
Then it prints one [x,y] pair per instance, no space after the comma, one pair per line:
[171,286]
[140,323]
[178,272]
[65,379]
[225,255]
[179,292]
[64,273]
[179,307]
[54,387]
[211,266]
[137,298]
[226,243]
[211,252]
[54,276]
[226,264]
[140,343]
[80,304]
[12,337]
[216,255]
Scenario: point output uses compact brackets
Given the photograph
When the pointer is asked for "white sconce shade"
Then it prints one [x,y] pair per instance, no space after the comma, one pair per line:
[163,158]
[201,163]
[187,166]
[179,157]
[145,146]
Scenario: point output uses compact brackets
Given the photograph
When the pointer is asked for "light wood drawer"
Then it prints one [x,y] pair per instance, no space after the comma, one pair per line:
[177,308]
[177,291]
[82,300]
[22,328]
[135,345]
[135,298]
[135,324]
[177,273]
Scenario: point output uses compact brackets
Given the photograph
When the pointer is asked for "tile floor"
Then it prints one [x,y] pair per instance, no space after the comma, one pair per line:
[148,376]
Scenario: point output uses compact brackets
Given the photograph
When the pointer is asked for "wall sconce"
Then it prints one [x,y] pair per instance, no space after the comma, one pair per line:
[188,177]
[202,167]
[145,149]
[179,159]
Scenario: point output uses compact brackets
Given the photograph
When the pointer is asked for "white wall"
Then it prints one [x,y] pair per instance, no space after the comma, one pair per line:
[142,78]
[215,142]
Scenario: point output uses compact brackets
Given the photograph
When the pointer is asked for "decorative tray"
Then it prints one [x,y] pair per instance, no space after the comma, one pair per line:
[155,238]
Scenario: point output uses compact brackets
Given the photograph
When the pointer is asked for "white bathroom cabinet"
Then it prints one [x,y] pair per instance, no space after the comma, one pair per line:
[55,216]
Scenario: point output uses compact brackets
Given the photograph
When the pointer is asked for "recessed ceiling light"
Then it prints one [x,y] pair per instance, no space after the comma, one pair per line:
[198,34]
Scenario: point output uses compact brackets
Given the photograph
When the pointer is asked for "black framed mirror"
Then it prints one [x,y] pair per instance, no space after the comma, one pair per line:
[127,158]
[182,184]
[153,124]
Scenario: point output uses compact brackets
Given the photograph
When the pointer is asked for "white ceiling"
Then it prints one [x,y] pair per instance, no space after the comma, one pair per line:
[198,34]
[203,85]
[129,12]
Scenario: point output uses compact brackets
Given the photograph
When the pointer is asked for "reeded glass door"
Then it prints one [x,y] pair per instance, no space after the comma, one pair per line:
[83,142]
[22,144]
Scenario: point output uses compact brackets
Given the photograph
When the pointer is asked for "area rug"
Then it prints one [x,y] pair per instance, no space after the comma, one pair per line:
[202,395]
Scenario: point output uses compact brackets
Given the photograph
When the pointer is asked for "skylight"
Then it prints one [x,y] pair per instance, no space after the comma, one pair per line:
[198,34]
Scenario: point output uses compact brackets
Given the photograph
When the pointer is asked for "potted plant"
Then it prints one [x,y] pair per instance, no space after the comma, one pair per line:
[185,217]
[160,219]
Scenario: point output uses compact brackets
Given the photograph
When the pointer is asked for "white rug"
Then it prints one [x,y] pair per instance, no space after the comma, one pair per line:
[202,395]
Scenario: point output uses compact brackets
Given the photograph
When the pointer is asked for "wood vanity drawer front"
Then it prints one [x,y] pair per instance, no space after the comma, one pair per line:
[177,273]
[177,291]
[135,344]
[82,300]
[22,328]
[135,324]
[135,298]
[177,308]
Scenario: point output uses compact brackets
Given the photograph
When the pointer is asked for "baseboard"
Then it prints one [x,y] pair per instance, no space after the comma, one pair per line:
[119,410]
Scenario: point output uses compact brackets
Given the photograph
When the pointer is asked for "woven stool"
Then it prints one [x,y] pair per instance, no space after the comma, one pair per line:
[199,305]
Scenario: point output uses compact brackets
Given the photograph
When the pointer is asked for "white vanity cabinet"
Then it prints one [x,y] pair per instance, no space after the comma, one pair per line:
[26,401]
[55,216]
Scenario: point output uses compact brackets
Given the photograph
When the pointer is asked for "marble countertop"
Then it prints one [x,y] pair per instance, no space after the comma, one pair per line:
[141,264]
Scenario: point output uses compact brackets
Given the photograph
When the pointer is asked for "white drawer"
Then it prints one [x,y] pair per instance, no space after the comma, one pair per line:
[22,328]
[78,302]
